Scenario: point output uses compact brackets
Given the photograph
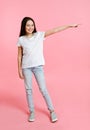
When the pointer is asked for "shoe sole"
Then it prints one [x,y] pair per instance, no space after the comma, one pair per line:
[54,120]
[31,120]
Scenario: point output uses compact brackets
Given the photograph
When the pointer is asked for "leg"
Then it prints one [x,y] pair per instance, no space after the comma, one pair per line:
[28,85]
[39,75]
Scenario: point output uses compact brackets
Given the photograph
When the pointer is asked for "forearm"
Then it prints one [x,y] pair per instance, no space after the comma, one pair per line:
[56,30]
[20,68]
[19,63]
[19,57]
[60,28]
[20,54]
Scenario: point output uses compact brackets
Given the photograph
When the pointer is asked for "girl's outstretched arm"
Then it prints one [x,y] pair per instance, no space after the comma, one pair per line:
[60,28]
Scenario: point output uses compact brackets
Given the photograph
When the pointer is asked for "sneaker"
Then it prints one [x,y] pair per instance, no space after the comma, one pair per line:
[53,117]
[31,117]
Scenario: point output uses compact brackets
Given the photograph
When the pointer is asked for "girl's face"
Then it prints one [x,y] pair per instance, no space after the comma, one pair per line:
[29,28]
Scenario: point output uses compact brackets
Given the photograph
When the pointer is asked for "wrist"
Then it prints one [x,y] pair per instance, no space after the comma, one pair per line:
[70,26]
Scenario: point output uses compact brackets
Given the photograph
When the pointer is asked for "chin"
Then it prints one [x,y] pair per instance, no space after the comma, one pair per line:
[29,32]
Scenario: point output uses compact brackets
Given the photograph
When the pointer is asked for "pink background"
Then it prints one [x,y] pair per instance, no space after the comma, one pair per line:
[67,66]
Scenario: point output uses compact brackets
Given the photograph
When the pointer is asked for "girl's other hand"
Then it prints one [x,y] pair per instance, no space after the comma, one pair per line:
[21,74]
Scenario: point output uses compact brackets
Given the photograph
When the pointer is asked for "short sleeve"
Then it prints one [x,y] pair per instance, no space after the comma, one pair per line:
[19,42]
[42,35]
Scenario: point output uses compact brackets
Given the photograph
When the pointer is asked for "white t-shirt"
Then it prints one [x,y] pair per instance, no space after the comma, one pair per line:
[32,50]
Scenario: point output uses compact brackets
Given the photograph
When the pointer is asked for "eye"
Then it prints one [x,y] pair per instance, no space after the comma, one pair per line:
[27,25]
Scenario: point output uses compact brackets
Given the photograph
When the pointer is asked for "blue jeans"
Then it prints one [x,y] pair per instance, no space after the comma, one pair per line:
[39,76]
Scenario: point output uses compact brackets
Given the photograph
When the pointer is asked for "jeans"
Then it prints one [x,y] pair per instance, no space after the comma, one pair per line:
[39,76]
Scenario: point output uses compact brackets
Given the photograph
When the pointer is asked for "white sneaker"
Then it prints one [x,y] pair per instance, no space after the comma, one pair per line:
[53,117]
[31,117]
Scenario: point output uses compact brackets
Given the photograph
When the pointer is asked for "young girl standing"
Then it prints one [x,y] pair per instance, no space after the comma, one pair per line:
[31,61]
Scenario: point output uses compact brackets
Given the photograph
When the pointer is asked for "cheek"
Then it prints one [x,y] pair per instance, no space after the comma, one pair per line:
[33,26]
[26,28]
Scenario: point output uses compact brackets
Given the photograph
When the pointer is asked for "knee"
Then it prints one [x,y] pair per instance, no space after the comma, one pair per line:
[29,91]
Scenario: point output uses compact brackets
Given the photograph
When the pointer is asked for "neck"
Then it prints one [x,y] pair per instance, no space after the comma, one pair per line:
[29,35]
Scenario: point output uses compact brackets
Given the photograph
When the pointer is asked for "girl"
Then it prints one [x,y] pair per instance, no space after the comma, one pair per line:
[31,60]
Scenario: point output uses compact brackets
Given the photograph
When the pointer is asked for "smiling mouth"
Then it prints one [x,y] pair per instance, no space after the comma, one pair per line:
[30,30]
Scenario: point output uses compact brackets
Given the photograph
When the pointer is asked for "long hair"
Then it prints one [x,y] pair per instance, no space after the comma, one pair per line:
[23,24]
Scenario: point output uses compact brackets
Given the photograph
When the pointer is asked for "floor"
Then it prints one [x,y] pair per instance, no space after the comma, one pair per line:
[70,95]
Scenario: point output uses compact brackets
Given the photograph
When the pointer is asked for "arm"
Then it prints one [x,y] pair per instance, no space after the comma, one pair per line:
[59,29]
[20,51]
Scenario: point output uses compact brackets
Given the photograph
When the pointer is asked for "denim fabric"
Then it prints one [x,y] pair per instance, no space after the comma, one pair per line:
[39,76]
